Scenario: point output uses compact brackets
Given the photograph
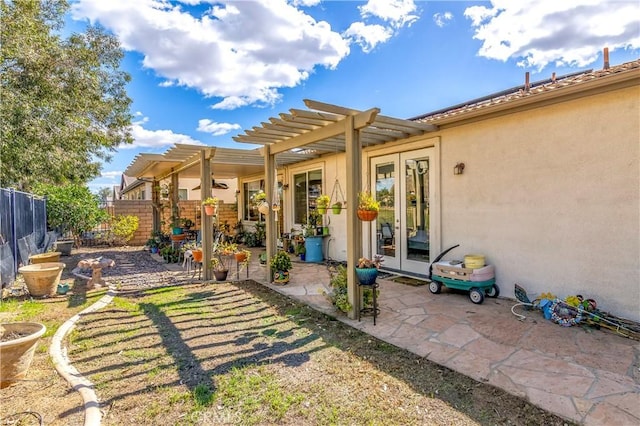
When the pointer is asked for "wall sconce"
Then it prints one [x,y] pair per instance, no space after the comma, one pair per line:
[458,169]
[237,191]
[285,186]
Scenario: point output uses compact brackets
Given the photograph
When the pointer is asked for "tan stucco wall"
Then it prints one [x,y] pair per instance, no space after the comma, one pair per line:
[551,197]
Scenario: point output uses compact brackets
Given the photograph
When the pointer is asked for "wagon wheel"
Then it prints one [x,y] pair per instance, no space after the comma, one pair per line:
[435,287]
[493,291]
[476,296]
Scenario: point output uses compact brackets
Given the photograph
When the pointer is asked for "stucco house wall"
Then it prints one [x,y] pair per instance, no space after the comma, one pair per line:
[551,197]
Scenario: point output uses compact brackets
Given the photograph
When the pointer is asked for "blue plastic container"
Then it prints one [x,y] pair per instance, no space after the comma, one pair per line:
[313,246]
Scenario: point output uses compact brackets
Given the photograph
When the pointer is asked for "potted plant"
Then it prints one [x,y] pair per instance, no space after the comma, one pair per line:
[222,253]
[368,207]
[322,202]
[42,278]
[367,269]
[280,266]
[186,223]
[153,245]
[336,207]
[210,205]
[301,251]
[18,343]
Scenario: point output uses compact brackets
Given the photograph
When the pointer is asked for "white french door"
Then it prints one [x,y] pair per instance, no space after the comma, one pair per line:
[404,185]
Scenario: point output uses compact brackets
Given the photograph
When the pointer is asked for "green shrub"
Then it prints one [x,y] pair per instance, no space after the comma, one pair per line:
[123,228]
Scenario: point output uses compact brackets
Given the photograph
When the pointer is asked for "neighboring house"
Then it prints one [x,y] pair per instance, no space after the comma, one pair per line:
[547,188]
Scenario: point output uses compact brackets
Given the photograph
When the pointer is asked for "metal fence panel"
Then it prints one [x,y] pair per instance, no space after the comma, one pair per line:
[21,215]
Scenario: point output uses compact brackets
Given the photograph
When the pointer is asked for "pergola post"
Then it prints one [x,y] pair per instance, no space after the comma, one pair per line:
[269,183]
[206,229]
[354,227]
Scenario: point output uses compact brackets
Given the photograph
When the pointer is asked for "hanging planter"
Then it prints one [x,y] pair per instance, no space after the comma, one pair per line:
[367,206]
[263,207]
[336,208]
[197,255]
[210,205]
[367,215]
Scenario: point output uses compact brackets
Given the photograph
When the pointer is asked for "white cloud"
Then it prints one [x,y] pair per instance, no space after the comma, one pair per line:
[216,129]
[567,32]
[144,138]
[113,175]
[243,50]
[368,36]
[442,19]
[397,12]
[306,3]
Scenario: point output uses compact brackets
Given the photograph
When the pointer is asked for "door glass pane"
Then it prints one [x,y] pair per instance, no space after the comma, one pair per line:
[385,194]
[307,187]
[417,208]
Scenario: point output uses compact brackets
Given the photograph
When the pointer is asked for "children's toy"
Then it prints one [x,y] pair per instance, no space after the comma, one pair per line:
[479,282]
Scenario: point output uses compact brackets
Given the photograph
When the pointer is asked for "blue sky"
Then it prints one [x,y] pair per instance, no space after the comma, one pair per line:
[205,71]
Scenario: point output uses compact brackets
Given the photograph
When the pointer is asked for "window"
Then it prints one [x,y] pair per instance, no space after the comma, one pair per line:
[248,190]
[183,194]
[307,187]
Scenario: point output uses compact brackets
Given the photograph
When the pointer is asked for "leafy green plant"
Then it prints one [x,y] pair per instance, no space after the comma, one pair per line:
[281,261]
[123,228]
[210,201]
[323,201]
[367,202]
[338,295]
[71,208]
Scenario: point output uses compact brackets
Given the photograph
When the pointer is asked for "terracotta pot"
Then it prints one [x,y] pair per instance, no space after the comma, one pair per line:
[240,257]
[367,215]
[16,355]
[210,210]
[220,275]
[197,255]
[52,256]
[42,278]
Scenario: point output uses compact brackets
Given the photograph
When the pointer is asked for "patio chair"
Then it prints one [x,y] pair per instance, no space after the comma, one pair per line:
[387,234]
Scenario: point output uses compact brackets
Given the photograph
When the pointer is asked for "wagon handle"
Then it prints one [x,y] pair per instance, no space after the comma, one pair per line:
[440,256]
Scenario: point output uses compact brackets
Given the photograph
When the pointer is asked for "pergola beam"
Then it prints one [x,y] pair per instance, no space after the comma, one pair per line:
[360,120]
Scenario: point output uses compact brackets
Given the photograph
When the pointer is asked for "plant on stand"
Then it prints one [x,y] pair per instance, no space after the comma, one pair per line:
[280,266]
[367,269]
[222,253]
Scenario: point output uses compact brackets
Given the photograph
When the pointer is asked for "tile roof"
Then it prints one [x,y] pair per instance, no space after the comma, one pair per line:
[520,92]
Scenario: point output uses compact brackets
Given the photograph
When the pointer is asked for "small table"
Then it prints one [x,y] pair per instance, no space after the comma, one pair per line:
[96,265]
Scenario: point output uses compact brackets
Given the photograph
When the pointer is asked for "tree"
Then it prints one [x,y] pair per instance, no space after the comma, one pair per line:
[71,208]
[105,193]
[64,104]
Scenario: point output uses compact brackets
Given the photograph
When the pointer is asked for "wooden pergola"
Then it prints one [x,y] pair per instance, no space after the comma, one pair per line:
[329,129]
[298,136]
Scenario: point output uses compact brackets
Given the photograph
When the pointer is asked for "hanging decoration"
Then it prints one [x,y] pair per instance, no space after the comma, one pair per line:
[338,201]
